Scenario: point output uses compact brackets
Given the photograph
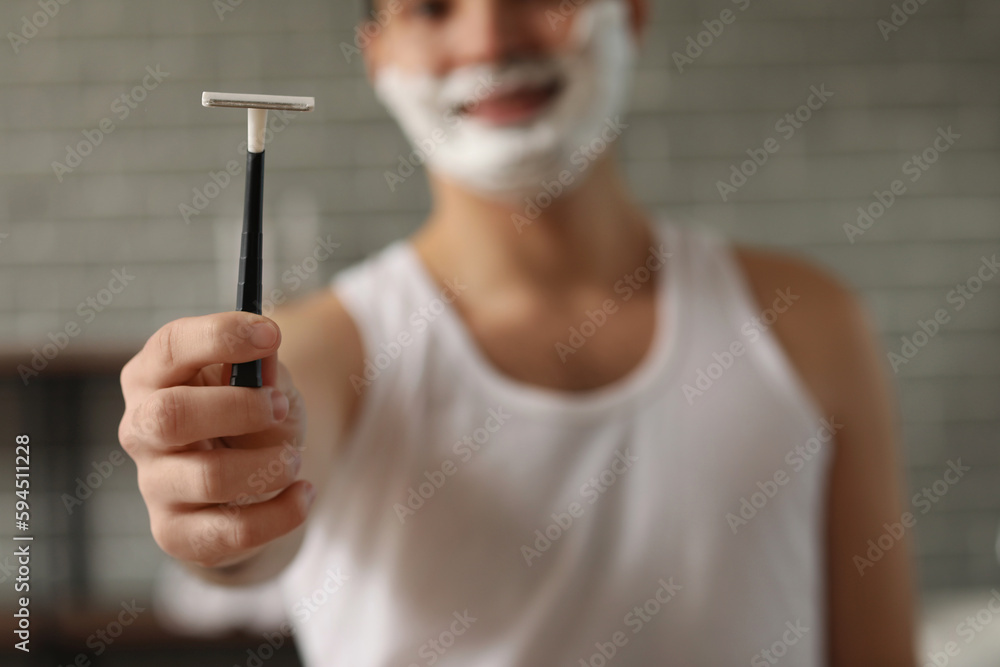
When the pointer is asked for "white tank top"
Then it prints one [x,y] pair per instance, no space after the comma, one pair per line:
[478,520]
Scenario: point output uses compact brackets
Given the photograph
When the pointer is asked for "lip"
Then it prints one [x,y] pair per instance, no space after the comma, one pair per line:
[514,106]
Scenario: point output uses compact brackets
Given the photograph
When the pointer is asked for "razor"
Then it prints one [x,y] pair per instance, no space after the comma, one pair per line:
[249,288]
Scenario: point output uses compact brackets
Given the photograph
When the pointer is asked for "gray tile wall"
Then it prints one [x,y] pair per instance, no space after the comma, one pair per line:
[63,234]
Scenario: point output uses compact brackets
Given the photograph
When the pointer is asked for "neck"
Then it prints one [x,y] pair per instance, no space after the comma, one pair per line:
[591,235]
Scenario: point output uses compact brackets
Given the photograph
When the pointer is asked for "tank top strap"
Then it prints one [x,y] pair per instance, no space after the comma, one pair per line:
[752,321]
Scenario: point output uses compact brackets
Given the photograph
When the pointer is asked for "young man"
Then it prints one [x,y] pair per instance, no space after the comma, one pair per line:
[545,430]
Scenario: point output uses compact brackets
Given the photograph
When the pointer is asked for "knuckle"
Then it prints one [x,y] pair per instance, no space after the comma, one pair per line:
[217,336]
[126,437]
[165,414]
[300,512]
[145,485]
[231,334]
[213,473]
[142,425]
[244,534]
[154,493]
[165,343]
[254,407]
[291,463]
[205,544]
[206,553]
[162,534]
[125,376]
[296,404]
[208,559]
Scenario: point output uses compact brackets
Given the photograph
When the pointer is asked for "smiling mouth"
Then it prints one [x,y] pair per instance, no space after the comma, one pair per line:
[514,106]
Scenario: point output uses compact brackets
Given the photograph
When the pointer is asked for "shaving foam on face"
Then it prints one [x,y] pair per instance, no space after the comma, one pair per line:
[512,161]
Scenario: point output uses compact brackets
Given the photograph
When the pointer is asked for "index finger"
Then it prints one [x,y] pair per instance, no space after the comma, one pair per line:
[181,348]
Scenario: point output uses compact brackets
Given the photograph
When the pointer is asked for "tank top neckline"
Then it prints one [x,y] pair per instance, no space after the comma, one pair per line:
[663,354]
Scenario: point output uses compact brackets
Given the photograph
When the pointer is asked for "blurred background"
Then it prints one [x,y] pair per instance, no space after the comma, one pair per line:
[117,216]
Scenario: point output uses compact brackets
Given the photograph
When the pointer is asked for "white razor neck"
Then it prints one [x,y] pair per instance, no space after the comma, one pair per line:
[256,128]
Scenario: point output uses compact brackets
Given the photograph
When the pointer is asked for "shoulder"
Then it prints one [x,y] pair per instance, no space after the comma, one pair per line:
[821,290]
[327,328]
[317,320]
[322,347]
[826,333]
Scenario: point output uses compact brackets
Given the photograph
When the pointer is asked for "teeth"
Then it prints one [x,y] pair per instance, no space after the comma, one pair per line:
[484,82]
[524,87]
[503,95]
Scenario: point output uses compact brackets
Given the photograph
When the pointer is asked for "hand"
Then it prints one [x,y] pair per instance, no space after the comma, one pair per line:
[217,465]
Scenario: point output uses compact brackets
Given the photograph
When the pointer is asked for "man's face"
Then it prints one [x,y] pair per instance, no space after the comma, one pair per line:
[436,37]
[499,95]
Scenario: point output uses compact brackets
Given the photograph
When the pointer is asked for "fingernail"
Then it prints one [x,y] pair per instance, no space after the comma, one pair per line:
[296,464]
[263,335]
[279,405]
[310,493]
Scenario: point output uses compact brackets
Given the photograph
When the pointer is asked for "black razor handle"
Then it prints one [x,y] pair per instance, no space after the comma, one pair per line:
[249,291]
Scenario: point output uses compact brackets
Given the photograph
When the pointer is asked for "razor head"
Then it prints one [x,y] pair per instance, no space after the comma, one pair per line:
[268,102]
